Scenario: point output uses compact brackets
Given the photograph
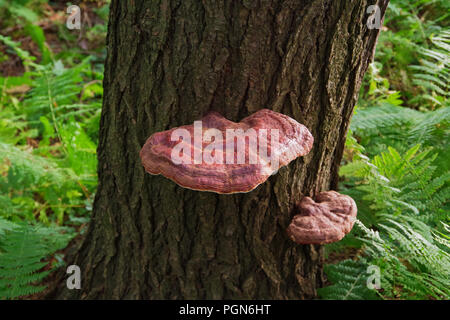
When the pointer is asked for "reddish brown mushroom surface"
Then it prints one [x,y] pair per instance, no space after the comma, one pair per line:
[327,219]
[222,156]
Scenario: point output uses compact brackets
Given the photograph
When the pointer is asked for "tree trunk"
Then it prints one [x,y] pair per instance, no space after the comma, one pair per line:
[170,62]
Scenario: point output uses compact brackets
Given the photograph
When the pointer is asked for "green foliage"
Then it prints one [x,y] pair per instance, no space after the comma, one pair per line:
[28,177]
[398,195]
[412,55]
[22,250]
[49,119]
[396,163]
[404,196]
[57,175]
[411,266]
[56,94]
[389,125]
[27,59]
[394,183]
[349,280]
[20,10]
[433,74]
[25,12]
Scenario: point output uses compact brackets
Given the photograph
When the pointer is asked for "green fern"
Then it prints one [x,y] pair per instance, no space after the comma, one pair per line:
[22,250]
[61,171]
[48,135]
[406,199]
[433,74]
[349,280]
[389,125]
[402,190]
[397,183]
[411,267]
[56,92]
[412,55]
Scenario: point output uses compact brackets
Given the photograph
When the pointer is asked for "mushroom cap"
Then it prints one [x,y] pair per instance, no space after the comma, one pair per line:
[295,140]
[327,219]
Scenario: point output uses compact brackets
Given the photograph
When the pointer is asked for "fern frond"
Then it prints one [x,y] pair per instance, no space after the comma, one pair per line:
[22,250]
[349,280]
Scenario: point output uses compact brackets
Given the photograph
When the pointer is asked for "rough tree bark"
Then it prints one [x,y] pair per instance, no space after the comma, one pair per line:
[168,63]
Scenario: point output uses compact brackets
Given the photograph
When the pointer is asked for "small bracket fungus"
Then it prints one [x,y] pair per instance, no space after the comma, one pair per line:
[205,157]
[326,220]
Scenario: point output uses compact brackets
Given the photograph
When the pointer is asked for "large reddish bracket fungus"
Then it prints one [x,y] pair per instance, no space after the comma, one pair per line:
[326,220]
[205,157]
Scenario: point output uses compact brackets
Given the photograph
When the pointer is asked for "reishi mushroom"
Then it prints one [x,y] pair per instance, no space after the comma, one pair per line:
[327,219]
[217,165]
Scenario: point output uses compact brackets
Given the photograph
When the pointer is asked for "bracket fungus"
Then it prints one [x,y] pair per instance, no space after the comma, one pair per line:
[327,219]
[204,156]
